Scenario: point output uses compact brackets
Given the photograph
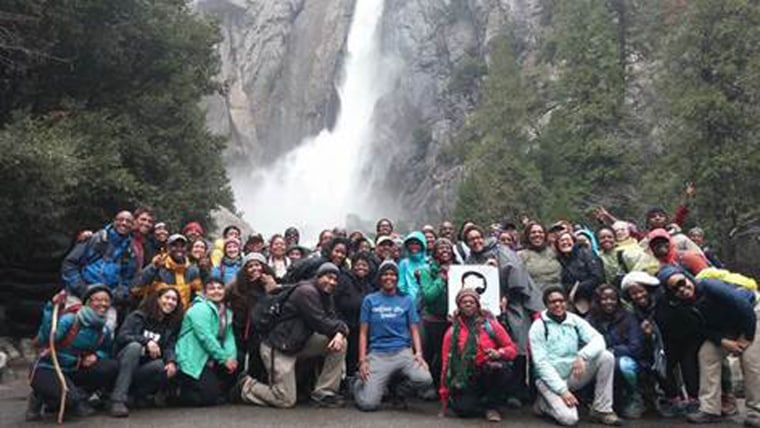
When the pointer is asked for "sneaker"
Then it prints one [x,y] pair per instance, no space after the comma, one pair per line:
[634,408]
[663,408]
[514,403]
[33,407]
[118,409]
[605,418]
[82,410]
[728,405]
[328,400]
[701,417]
[492,415]
[235,394]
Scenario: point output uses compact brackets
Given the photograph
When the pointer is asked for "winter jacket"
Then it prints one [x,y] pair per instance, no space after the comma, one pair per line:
[492,337]
[307,311]
[523,295]
[92,337]
[198,338]
[555,346]
[622,333]
[183,276]
[584,268]
[635,258]
[693,261]
[435,297]
[138,327]
[227,269]
[543,266]
[413,265]
[106,258]
[349,295]
[726,311]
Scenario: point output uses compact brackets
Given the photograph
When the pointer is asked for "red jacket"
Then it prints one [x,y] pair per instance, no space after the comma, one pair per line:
[497,338]
[690,260]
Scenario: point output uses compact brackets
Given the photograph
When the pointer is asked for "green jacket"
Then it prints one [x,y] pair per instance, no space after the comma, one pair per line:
[435,296]
[198,339]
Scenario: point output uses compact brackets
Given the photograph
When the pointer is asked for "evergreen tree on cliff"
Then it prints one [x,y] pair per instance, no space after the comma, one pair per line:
[99,109]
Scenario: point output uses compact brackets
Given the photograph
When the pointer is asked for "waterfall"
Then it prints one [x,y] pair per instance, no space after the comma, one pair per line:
[317,184]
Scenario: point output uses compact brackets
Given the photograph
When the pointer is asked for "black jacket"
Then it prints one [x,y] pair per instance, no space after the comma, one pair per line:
[349,296]
[585,268]
[307,311]
[138,327]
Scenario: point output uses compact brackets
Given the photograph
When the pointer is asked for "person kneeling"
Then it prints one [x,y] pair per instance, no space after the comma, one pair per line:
[83,342]
[562,365]
[145,349]
[476,369]
[389,328]
[206,351]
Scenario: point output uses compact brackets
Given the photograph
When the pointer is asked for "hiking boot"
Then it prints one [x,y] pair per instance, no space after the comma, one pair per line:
[701,417]
[514,403]
[118,409]
[328,400]
[492,415]
[33,407]
[752,421]
[728,405]
[605,418]
[634,408]
[82,410]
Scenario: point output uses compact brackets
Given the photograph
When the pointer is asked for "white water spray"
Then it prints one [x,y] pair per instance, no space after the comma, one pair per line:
[318,183]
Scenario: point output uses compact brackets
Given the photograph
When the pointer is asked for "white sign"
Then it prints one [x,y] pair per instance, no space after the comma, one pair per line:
[482,278]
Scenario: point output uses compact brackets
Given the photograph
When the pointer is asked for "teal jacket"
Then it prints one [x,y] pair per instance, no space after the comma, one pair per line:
[556,345]
[411,263]
[198,339]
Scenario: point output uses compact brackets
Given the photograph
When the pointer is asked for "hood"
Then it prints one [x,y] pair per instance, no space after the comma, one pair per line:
[662,233]
[591,237]
[419,237]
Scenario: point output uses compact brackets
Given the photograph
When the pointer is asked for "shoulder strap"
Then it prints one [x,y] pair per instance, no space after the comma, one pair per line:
[621,261]
[70,336]
[489,329]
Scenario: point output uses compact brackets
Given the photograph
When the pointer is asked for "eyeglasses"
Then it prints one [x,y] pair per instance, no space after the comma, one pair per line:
[554,301]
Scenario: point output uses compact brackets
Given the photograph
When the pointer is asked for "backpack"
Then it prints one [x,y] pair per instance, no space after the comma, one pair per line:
[267,312]
[70,335]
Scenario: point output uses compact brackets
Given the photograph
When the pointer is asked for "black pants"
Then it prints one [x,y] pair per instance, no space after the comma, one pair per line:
[81,383]
[434,330]
[683,355]
[137,373]
[207,390]
[352,351]
[484,392]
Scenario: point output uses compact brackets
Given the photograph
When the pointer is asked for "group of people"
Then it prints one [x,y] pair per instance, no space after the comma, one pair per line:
[616,320]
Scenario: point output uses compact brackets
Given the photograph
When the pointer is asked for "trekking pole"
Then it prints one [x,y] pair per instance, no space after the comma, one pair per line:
[56,364]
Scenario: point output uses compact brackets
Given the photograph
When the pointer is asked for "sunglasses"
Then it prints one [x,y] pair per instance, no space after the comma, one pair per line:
[679,285]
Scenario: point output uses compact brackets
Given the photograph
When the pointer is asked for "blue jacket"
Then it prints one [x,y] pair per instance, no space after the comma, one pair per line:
[622,333]
[107,258]
[556,345]
[726,311]
[411,263]
[227,269]
[89,339]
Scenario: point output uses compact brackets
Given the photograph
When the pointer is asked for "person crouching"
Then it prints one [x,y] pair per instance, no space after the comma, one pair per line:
[476,369]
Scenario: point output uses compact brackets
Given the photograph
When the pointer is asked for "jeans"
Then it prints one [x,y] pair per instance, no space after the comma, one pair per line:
[140,374]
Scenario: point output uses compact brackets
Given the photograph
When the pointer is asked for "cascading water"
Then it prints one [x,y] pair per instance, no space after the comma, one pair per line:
[319,183]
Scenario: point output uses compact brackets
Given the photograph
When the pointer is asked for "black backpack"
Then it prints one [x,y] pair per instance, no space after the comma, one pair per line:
[267,312]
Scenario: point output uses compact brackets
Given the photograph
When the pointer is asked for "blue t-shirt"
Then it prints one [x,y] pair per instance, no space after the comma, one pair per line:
[389,319]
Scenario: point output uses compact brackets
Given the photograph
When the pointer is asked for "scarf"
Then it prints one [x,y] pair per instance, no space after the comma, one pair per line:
[461,367]
[222,308]
[179,272]
[87,317]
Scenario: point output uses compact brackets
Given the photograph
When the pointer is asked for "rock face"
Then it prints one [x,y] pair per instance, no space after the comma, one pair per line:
[282,59]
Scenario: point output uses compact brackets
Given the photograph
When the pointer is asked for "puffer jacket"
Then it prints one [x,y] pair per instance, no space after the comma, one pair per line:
[693,261]
[106,258]
[622,333]
[78,335]
[184,277]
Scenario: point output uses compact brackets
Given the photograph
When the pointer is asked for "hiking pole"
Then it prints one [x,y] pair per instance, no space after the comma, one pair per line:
[56,364]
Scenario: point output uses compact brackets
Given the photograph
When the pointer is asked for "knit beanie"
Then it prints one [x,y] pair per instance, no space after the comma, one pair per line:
[667,271]
[465,292]
[327,268]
